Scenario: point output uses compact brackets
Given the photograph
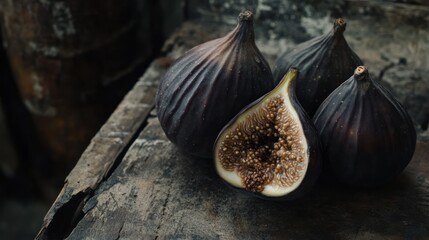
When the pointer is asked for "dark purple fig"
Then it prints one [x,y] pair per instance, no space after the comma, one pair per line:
[367,135]
[324,63]
[209,85]
[271,147]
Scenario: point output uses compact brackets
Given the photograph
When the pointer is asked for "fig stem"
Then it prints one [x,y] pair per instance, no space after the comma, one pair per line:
[246,15]
[340,24]
[244,30]
[360,70]
[361,73]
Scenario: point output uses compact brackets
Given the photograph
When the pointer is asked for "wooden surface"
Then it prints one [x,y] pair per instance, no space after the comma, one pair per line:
[132,183]
[158,192]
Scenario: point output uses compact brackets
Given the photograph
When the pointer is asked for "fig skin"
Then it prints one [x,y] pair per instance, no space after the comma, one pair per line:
[209,85]
[314,163]
[325,62]
[367,136]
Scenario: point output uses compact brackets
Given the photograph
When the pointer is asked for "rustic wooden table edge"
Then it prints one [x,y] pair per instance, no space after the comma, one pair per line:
[105,150]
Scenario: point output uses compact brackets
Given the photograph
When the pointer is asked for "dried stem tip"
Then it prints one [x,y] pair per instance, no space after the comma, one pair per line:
[361,73]
[340,22]
[340,25]
[360,70]
[245,16]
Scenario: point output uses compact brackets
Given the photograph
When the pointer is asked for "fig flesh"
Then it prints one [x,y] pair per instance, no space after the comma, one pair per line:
[209,85]
[324,62]
[271,147]
[367,136]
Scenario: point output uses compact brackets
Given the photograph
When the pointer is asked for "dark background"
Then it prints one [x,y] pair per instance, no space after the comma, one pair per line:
[65,65]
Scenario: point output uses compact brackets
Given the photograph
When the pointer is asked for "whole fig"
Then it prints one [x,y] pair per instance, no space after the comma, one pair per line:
[367,136]
[324,63]
[209,85]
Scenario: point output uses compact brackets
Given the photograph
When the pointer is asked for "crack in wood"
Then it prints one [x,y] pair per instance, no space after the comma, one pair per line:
[119,232]
[78,214]
[66,216]
[113,198]
[121,156]
[163,211]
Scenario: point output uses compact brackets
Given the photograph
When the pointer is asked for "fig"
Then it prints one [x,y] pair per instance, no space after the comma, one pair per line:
[271,148]
[324,62]
[209,85]
[367,136]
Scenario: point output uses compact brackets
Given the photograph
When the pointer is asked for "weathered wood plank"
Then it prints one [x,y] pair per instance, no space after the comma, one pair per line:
[157,191]
[102,153]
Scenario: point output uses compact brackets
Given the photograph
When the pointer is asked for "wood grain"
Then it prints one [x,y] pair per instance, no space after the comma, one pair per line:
[157,191]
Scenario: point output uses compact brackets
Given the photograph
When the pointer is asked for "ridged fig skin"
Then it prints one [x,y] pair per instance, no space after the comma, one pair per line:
[325,62]
[209,85]
[314,167]
[367,136]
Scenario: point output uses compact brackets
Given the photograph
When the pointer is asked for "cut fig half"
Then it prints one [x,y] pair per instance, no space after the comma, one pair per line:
[270,147]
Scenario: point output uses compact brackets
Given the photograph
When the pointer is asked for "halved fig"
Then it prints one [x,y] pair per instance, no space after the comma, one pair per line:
[271,147]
